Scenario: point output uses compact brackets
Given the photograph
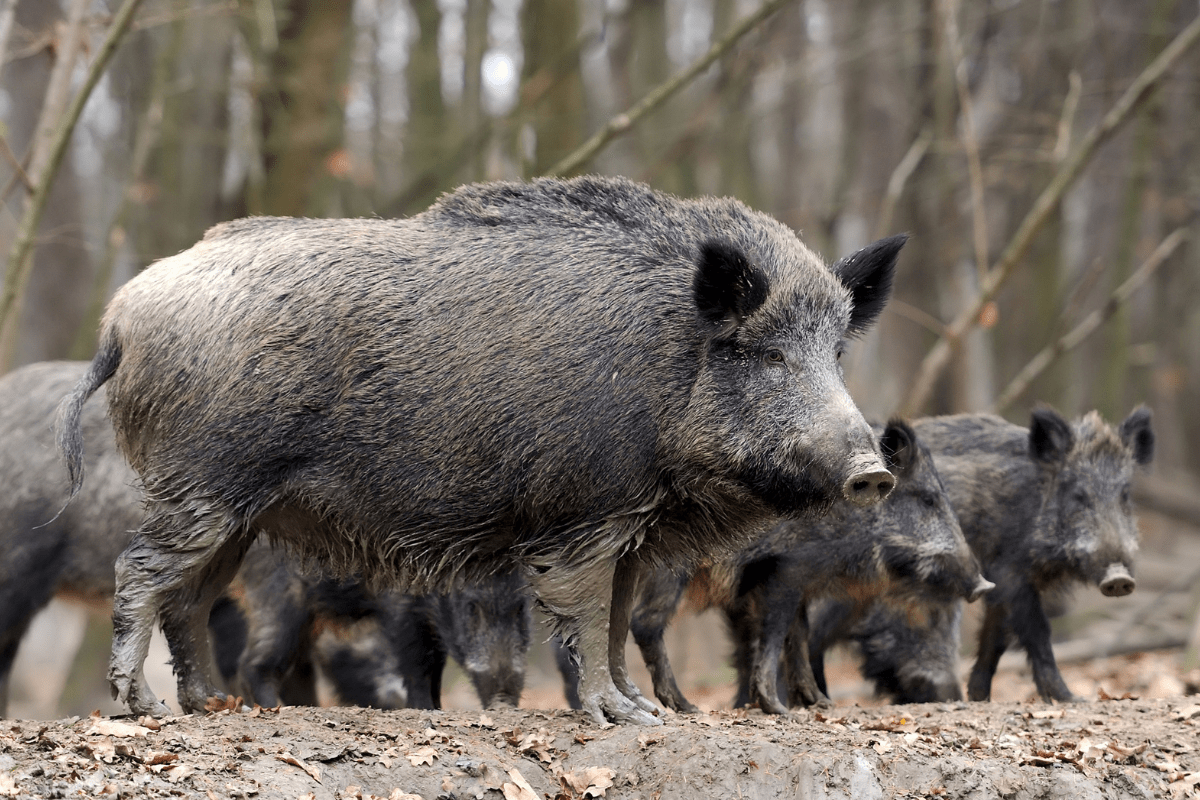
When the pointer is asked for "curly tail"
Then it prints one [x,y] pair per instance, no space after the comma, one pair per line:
[70,410]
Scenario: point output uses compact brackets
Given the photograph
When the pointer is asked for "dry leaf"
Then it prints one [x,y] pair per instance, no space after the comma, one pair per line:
[150,723]
[538,743]
[422,755]
[159,758]
[647,739]
[399,795]
[1103,695]
[882,746]
[486,722]
[178,772]
[519,789]
[1050,713]
[1185,713]
[351,791]
[311,769]
[8,786]
[109,727]
[215,704]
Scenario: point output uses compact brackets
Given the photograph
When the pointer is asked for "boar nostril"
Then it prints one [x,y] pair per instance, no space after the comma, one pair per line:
[1117,587]
[868,488]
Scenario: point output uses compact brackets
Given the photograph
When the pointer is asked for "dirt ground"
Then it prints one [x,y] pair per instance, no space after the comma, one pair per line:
[1128,742]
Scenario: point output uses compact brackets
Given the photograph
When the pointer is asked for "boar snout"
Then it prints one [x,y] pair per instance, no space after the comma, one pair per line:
[869,481]
[982,587]
[1117,581]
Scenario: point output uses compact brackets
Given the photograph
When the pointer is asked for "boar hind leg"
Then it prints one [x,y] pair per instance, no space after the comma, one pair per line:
[184,618]
[581,599]
[1032,628]
[158,573]
[993,641]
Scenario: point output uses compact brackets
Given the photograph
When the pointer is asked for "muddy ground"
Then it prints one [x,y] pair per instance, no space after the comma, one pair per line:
[1104,748]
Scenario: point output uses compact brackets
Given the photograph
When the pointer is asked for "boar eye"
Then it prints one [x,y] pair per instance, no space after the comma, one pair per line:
[930,501]
[1125,495]
[1080,496]
[774,356]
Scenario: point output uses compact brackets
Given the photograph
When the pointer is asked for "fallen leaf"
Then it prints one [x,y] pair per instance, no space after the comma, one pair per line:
[399,795]
[882,746]
[647,739]
[519,789]
[538,743]
[1185,713]
[8,786]
[350,792]
[109,727]
[215,704]
[1051,713]
[311,769]
[150,723]
[422,755]
[178,772]
[486,722]
[1103,695]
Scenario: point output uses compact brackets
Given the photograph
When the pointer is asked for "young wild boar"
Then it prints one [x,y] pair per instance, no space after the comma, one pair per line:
[908,547]
[74,554]
[909,648]
[385,650]
[578,378]
[1042,507]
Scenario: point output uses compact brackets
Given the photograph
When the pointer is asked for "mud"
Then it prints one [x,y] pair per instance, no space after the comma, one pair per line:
[1107,748]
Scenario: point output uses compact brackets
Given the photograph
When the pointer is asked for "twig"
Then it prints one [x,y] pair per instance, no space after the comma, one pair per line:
[660,94]
[8,10]
[1062,144]
[917,315]
[19,172]
[20,260]
[899,179]
[1073,338]
[969,138]
[58,90]
[939,356]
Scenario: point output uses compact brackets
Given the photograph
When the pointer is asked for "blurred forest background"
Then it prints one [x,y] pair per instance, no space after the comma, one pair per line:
[1044,155]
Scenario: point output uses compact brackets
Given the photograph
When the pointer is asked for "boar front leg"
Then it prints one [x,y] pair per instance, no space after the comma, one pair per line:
[581,598]
[1032,627]
[993,641]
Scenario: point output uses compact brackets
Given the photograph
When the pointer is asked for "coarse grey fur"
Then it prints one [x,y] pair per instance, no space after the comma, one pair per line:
[909,649]
[1043,507]
[908,549]
[580,378]
[72,555]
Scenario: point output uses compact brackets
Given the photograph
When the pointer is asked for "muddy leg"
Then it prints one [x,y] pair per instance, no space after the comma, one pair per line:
[993,641]
[581,599]
[627,581]
[184,617]
[161,563]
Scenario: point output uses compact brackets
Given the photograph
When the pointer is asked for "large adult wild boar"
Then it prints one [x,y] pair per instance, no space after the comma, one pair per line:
[581,378]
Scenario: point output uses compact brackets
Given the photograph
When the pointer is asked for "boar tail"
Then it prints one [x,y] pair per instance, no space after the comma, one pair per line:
[70,410]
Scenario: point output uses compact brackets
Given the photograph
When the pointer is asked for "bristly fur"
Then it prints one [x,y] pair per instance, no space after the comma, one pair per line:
[868,274]
[1043,507]
[519,375]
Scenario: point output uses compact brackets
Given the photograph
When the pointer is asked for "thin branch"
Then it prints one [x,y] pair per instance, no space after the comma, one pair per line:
[58,90]
[8,10]
[19,173]
[1062,144]
[1076,336]
[20,259]
[900,175]
[939,356]
[622,122]
[970,138]
[913,314]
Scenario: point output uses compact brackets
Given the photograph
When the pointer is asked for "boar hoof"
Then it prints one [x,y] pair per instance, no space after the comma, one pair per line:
[612,706]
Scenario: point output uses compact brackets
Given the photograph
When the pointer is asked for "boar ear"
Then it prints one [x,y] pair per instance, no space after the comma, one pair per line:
[899,447]
[727,287]
[867,273]
[1050,436]
[1138,434]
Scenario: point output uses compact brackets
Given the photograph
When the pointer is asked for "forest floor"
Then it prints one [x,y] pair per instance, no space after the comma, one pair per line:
[1125,742]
